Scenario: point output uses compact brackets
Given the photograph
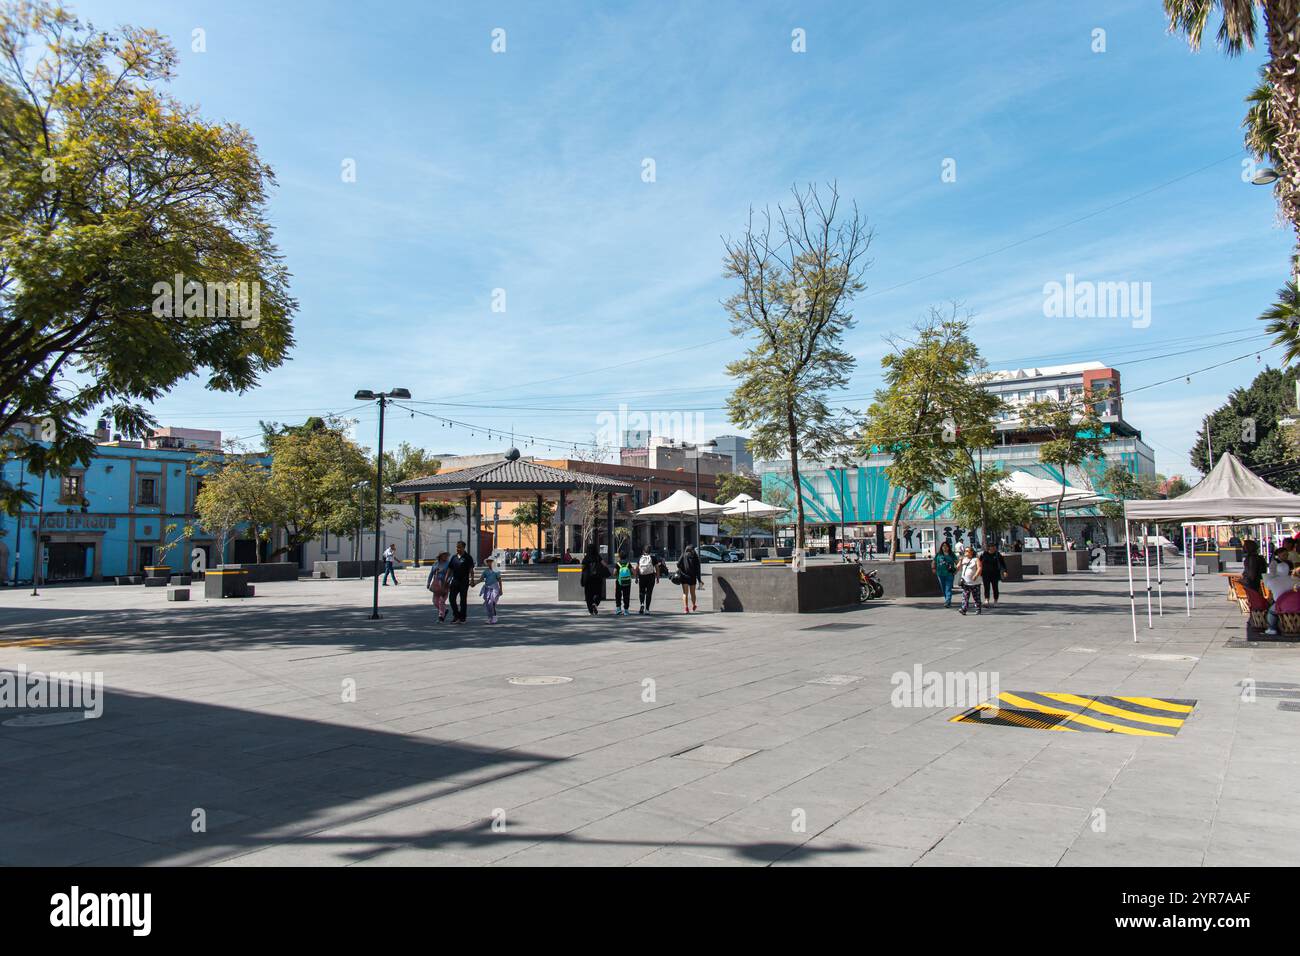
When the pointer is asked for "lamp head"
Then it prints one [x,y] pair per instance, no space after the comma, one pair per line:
[365,395]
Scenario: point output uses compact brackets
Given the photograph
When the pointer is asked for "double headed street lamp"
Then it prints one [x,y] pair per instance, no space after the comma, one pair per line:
[365,395]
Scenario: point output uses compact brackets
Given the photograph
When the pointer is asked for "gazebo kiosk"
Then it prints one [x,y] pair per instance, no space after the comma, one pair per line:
[513,479]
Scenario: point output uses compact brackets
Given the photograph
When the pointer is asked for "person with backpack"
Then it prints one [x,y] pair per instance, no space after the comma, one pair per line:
[592,578]
[970,571]
[689,575]
[647,576]
[437,583]
[622,586]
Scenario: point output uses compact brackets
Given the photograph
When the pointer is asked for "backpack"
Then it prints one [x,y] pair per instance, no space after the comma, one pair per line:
[646,566]
[624,573]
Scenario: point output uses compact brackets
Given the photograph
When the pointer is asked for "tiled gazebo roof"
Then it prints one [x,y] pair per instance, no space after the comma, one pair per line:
[510,475]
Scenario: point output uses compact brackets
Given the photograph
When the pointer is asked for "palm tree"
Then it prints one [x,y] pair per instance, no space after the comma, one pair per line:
[1283,318]
[1238,27]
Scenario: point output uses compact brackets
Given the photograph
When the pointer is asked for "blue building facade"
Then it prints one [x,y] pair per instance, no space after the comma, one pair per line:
[112,517]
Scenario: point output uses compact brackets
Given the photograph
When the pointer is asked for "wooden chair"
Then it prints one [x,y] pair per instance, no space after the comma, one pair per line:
[1289,624]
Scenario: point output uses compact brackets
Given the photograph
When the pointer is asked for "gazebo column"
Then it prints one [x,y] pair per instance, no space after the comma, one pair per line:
[539,527]
[417,529]
[469,524]
[609,523]
[562,545]
[478,525]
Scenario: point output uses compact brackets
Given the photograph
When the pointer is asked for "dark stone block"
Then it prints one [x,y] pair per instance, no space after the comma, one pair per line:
[178,594]
[1044,562]
[1208,564]
[776,589]
[568,577]
[155,582]
[913,577]
[225,583]
[268,571]
[1015,566]
[181,579]
[343,569]
[123,579]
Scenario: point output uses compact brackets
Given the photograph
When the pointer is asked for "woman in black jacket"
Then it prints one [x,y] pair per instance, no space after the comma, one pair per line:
[592,578]
[688,569]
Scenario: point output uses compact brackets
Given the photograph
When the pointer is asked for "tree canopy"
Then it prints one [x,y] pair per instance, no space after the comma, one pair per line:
[111,190]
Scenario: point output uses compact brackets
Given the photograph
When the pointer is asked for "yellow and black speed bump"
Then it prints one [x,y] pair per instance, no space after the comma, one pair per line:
[1138,716]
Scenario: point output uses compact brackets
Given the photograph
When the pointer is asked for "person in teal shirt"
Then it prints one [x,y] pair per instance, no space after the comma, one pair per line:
[945,569]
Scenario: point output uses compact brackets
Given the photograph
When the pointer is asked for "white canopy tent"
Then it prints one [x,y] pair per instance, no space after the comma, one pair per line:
[751,507]
[679,504]
[1044,491]
[1231,493]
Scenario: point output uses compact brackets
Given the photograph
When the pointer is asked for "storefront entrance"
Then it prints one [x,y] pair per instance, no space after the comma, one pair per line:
[70,561]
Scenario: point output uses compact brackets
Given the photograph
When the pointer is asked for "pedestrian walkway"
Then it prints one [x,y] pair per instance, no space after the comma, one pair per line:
[308,735]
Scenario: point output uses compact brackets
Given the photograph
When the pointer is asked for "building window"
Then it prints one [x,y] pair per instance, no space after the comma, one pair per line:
[148,492]
[70,489]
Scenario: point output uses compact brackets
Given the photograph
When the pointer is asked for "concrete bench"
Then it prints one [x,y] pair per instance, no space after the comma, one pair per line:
[178,594]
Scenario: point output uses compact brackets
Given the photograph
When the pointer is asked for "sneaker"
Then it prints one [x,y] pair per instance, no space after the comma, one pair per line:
[961,611]
[1271,631]
[695,607]
[979,611]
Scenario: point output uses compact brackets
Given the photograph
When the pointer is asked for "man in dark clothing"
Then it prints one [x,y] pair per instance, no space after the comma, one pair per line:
[592,578]
[460,578]
[992,569]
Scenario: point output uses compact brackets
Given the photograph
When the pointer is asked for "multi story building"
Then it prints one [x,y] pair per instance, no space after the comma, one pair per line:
[114,516]
[736,447]
[664,454]
[859,498]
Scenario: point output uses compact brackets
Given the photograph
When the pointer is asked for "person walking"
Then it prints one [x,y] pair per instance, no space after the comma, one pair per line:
[688,568]
[622,586]
[969,569]
[993,569]
[648,569]
[460,578]
[592,578]
[491,590]
[945,569]
[389,558]
[437,583]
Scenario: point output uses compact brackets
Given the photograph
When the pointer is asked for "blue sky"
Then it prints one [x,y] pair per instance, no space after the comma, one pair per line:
[522,170]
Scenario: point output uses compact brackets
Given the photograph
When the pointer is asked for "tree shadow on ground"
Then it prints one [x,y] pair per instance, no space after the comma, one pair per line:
[131,786]
[236,624]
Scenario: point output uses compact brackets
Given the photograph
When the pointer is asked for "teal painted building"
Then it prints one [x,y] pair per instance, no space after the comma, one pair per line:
[108,518]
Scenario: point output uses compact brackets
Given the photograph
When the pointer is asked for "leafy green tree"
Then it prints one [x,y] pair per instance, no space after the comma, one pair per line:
[982,501]
[314,479]
[1248,425]
[927,382]
[798,270]
[235,492]
[1073,435]
[729,486]
[109,189]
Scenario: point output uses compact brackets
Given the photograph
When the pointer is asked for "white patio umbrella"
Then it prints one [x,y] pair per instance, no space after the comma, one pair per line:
[751,507]
[678,504]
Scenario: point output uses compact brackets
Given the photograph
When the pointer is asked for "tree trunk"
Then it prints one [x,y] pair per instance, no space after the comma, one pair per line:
[794,480]
[1060,522]
[898,515]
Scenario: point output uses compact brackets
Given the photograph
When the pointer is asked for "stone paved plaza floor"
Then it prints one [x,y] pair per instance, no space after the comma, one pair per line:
[237,708]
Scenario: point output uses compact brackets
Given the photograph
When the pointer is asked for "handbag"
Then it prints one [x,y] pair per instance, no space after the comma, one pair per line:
[675,577]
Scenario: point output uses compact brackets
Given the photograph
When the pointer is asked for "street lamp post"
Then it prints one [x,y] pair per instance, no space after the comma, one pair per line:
[36,558]
[365,395]
[697,452]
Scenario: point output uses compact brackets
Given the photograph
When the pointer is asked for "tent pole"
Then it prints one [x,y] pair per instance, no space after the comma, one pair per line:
[1128,560]
[1160,574]
[1187,591]
[1146,560]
